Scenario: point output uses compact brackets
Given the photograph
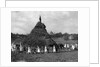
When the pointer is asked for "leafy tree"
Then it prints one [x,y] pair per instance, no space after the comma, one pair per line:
[66,36]
[75,36]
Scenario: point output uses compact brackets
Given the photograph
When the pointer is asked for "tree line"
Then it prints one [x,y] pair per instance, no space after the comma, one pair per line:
[66,36]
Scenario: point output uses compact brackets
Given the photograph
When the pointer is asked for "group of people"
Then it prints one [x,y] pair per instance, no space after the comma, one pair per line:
[44,49]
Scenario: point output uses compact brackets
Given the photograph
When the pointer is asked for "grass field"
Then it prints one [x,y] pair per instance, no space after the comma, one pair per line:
[46,57]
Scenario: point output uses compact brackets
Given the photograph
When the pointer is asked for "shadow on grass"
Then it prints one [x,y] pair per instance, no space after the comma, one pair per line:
[45,57]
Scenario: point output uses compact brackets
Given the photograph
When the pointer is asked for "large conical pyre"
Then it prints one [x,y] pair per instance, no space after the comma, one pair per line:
[39,37]
[39,30]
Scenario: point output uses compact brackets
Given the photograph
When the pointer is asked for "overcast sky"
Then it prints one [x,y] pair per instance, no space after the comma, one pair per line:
[23,22]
